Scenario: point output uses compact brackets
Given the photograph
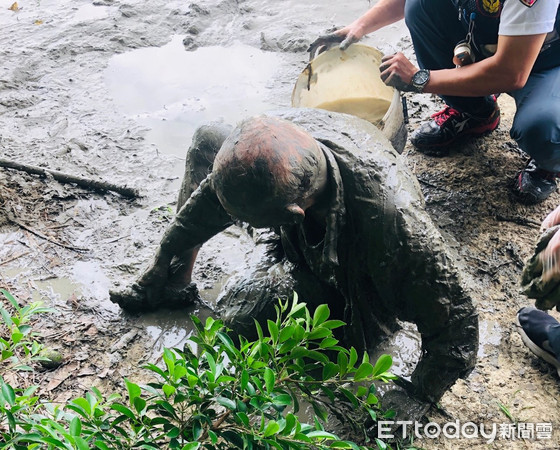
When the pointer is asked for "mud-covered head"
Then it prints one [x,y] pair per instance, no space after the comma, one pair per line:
[268,172]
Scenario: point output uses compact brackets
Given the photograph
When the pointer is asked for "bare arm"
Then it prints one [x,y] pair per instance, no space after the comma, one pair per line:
[505,71]
[384,12]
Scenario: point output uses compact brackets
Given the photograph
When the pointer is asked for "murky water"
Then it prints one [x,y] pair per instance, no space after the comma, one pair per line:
[172,91]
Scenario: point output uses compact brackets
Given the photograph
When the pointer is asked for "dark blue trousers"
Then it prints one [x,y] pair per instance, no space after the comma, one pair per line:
[435,30]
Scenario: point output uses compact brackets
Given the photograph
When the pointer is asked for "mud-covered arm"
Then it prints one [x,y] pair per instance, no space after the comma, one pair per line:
[431,294]
[200,218]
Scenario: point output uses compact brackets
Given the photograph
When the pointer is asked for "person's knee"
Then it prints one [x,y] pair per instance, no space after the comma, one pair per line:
[206,142]
[538,133]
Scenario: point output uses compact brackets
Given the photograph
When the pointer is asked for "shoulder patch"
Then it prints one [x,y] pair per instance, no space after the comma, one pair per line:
[491,6]
[528,3]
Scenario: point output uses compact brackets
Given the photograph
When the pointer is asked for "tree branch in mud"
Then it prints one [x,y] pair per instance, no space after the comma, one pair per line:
[96,185]
[13,220]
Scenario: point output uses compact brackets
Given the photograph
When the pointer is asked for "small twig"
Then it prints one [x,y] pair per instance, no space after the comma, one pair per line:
[518,220]
[110,241]
[125,191]
[427,183]
[42,236]
[14,258]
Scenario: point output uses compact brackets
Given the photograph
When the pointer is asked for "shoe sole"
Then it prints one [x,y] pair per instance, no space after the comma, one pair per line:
[543,354]
[474,133]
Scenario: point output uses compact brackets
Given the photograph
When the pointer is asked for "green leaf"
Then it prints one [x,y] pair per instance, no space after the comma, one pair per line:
[243,418]
[82,403]
[123,410]
[213,437]
[269,379]
[155,369]
[179,372]
[362,390]
[9,394]
[212,365]
[380,444]
[282,400]
[139,405]
[271,428]
[328,342]
[16,336]
[286,333]
[329,370]
[173,432]
[133,390]
[319,333]
[372,399]
[228,343]
[168,390]
[353,358]
[320,411]
[332,324]
[342,360]
[226,402]
[191,446]
[192,380]
[320,434]
[259,331]
[318,356]
[11,299]
[273,330]
[344,444]
[382,365]
[364,371]
[321,314]
[6,317]
[6,354]
[351,397]
[75,426]
[290,425]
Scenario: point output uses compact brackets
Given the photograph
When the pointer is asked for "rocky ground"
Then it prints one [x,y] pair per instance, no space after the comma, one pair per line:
[68,245]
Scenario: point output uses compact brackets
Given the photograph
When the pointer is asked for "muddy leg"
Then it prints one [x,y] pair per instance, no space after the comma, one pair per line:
[253,294]
[168,280]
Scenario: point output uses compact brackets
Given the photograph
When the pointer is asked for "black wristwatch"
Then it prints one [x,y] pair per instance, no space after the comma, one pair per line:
[420,80]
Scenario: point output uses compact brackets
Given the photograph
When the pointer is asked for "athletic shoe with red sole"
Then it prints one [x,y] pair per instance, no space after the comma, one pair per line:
[449,125]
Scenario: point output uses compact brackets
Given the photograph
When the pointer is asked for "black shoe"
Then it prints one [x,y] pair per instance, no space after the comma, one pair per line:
[533,185]
[447,126]
[537,329]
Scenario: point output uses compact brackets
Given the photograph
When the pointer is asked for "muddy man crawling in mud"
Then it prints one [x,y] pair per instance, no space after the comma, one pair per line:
[350,230]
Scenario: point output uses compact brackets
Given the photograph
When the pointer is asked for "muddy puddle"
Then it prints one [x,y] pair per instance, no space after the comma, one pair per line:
[172,91]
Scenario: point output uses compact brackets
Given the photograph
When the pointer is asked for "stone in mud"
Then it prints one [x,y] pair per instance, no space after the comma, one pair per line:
[51,358]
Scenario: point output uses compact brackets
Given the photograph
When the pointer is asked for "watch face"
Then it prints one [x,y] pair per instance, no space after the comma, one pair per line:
[421,77]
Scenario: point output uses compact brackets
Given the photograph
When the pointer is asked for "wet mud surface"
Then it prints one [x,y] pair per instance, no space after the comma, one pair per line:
[80,92]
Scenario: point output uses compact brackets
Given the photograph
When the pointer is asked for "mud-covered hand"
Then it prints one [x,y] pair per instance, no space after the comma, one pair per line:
[138,298]
[344,37]
[155,289]
[541,275]
[397,71]
[407,406]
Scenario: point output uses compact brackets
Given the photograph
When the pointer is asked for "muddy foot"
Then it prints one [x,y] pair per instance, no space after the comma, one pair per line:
[138,298]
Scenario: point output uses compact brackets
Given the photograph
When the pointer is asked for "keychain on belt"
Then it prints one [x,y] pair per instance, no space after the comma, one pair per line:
[463,53]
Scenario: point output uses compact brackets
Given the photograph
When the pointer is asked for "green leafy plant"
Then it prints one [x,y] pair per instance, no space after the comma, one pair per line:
[218,394]
[18,346]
